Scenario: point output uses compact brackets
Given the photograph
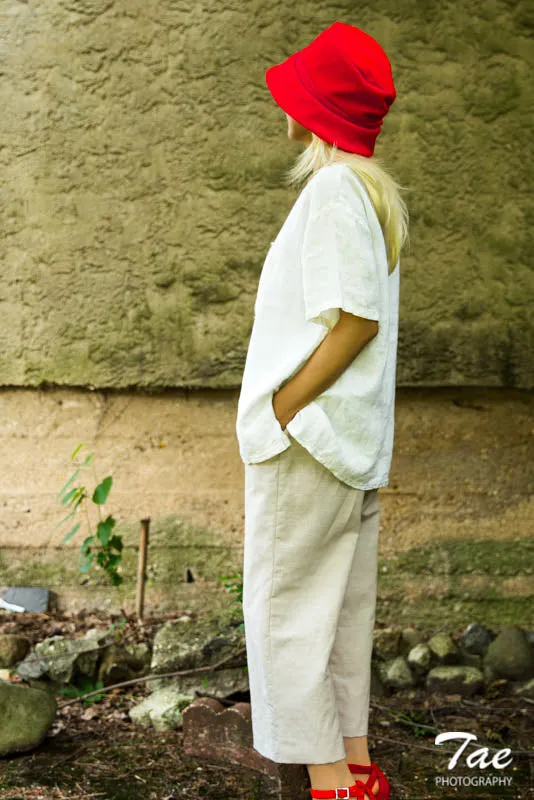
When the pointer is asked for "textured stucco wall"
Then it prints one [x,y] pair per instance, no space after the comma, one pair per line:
[142,159]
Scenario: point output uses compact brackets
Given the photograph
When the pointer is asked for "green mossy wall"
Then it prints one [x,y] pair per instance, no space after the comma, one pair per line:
[143,161]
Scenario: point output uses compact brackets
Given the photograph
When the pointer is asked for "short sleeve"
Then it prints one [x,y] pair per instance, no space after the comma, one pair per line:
[339,267]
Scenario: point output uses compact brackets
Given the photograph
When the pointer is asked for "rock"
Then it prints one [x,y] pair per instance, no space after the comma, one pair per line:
[419,658]
[510,655]
[46,685]
[58,658]
[525,689]
[33,667]
[179,646]
[444,649]
[455,680]
[119,664]
[141,653]
[476,639]
[87,661]
[217,735]
[386,642]
[161,709]
[489,674]
[410,638]
[377,689]
[13,648]
[470,659]
[396,673]
[26,715]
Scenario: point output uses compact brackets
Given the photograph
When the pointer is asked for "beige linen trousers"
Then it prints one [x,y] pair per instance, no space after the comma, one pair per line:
[309,600]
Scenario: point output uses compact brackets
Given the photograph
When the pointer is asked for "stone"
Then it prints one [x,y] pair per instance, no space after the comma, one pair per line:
[490,676]
[26,714]
[444,648]
[56,657]
[214,733]
[470,659]
[30,598]
[458,679]
[386,642]
[419,658]
[88,658]
[476,639]
[13,648]
[410,637]
[180,647]
[510,655]
[141,653]
[162,709]
[119,664]
[396,673]
[377,688]
[525,689]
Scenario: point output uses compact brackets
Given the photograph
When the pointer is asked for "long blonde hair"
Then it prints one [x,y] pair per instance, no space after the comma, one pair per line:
[382,188]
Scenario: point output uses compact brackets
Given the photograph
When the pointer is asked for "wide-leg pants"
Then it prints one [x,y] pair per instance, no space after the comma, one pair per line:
[309,599]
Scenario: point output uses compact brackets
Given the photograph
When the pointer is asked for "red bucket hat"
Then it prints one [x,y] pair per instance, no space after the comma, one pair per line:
[340,87]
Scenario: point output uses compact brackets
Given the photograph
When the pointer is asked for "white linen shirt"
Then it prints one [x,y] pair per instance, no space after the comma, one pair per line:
[329,254]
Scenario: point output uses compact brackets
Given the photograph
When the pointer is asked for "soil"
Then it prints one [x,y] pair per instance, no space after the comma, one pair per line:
[94,751]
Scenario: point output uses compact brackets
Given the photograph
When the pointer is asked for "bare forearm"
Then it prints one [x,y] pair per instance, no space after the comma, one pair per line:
[337,350]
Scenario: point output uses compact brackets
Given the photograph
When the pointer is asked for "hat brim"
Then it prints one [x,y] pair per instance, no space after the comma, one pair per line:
[284,85]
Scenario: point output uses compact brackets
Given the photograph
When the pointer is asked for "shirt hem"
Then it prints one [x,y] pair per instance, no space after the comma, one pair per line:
[295,428]
[277,447]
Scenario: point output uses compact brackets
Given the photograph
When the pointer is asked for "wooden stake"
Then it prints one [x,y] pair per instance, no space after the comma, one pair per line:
[141,567]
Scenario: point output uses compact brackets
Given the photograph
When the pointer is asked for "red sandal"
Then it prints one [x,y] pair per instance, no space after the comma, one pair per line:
[375,773]
[359,790]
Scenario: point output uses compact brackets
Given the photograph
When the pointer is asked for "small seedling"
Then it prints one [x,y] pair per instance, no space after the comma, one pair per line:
[104,545]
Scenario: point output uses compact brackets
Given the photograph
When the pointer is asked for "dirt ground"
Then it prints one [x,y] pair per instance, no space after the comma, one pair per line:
[93,750]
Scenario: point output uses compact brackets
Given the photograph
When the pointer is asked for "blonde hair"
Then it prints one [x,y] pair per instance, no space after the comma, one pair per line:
[382,188]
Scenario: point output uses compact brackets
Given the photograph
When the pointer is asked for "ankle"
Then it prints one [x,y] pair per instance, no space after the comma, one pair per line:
[327,777]
[358,758]
[357,750]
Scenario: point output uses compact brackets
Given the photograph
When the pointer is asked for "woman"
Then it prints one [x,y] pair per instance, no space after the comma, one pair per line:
[315,419]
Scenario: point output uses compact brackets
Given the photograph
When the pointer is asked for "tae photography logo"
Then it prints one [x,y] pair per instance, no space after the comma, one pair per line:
[477,761]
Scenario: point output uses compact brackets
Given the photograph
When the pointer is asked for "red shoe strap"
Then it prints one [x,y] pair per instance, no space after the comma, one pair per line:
[366,768]
[358,790]
[375,774]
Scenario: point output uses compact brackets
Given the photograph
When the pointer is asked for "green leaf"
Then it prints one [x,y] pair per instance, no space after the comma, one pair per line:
[65,519]
[121,623]
[100,495]
[87,563]
[76,494]
[72,477]
[116,543]
[85,547]
[72,531]
[104,530]
[76,450]
[114,559]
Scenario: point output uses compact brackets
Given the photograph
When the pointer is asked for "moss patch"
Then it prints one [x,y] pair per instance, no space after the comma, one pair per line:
[454,581]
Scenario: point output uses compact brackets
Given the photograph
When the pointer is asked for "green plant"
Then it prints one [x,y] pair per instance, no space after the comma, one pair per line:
[234,585]
[84,685]
[104,545]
